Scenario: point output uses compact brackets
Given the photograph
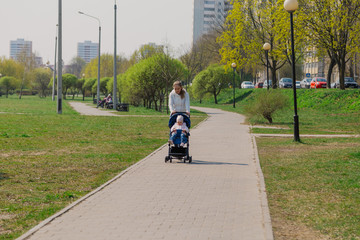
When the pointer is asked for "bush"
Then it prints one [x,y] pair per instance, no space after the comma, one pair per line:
[266,103]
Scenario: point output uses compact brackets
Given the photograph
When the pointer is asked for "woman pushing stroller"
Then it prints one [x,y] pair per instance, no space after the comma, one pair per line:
[179,123]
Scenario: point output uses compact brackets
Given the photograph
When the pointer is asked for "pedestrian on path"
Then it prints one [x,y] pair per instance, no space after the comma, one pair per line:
[179,100]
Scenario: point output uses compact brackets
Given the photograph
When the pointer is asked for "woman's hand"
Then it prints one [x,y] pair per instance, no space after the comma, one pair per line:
[187,113]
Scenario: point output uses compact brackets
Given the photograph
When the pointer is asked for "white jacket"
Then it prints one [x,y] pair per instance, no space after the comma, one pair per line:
[177,104]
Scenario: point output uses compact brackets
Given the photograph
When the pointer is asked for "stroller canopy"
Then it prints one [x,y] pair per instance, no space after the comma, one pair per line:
[173,117]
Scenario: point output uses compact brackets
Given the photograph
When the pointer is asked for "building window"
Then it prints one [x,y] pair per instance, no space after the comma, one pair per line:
[209,2]
[210,9]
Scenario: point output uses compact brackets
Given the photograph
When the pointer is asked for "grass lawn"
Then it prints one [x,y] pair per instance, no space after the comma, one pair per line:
[48,160]
[313,187]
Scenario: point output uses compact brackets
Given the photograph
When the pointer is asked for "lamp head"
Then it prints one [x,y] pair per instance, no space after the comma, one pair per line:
[266,46]
[80,12]
[291,5]
[233,65]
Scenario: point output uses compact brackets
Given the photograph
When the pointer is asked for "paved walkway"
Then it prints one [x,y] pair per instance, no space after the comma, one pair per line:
[220,195]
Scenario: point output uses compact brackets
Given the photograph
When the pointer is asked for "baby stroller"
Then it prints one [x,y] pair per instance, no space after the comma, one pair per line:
[175,150]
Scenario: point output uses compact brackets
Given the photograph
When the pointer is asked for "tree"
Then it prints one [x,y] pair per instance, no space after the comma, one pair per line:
[8,84]
[334,27]
[106,66]
[145,82]
[249,25]
[42,78]
[10,67]
[80,86]
[89,83]
[28,62]
[103,85]
[76,66]
[68,81]
[211,81]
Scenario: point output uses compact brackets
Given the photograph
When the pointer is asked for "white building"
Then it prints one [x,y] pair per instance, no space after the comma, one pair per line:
[87,50]
[208,15]
[19,46]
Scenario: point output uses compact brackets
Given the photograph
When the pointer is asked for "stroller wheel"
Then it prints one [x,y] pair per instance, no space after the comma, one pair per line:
[166,158]
[190,159]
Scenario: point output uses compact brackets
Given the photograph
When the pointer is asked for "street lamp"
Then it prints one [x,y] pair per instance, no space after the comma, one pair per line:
[233,65]
[83,90]
[266,47]
[54,77]
[98,75]
[60,65]
[291,6]
[115,73]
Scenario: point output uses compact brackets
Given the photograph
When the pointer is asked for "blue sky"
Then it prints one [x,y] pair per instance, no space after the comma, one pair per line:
[139,22]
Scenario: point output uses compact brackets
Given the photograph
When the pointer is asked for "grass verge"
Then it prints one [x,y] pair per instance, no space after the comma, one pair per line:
[313,187]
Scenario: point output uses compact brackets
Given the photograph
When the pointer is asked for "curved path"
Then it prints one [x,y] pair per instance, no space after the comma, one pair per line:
[220,195]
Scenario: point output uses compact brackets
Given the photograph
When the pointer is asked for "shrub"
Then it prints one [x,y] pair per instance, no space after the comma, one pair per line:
[266,103]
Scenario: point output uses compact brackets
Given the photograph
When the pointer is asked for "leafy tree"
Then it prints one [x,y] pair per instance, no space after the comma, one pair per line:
[10,67]
[106,66]
[334,27]
[42,78]
[68,81]
[211,81]
[8,84]
[80,86]
[103,86]
[89,83]
[252,23]
[29,64]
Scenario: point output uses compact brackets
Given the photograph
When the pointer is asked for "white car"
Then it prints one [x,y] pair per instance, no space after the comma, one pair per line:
[247,84]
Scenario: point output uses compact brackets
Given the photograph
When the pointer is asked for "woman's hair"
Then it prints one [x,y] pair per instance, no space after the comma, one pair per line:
[182,92]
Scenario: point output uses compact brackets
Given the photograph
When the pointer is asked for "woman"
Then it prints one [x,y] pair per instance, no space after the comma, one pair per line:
[179,100]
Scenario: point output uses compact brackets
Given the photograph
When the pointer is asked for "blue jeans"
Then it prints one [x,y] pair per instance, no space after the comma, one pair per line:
[178,137]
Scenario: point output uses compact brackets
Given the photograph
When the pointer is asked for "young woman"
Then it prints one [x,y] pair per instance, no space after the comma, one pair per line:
[179,100]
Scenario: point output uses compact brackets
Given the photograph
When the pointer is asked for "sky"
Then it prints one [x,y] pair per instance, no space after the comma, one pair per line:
[167,22]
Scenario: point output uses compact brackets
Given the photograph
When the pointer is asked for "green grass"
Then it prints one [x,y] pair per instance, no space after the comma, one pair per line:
[320,111]
[315,184]
[49,160]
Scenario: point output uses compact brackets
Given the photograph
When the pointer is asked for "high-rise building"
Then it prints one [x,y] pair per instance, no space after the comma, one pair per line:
[208,15]
[87,50]
[20,46]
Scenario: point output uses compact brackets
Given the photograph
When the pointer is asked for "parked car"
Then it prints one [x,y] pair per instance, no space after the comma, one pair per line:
[266,84]
[305,83]
[318,82]
[247,84]
[285,83]
[349,82]
[259,85]
[297,84]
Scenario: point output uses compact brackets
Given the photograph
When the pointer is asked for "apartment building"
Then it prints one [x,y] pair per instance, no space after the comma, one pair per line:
[208,15]
[87,50]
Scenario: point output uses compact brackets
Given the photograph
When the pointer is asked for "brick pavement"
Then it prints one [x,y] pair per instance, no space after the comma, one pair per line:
[219,196]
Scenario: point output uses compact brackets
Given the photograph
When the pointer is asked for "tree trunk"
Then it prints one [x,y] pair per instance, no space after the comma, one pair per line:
[342,67]
[215,97]
[273,73]
[330,70]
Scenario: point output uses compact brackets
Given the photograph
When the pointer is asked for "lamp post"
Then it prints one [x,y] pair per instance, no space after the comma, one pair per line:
[98,75]
[291,6]
[54,77]
[115,73]
[266,47]
[83,90]
[59,79]
[233,65]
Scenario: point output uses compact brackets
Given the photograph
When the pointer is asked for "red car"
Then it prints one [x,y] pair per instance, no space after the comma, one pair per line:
[259,85]
[318,82]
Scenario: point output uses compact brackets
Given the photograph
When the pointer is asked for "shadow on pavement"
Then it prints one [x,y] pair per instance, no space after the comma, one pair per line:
[199,162]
